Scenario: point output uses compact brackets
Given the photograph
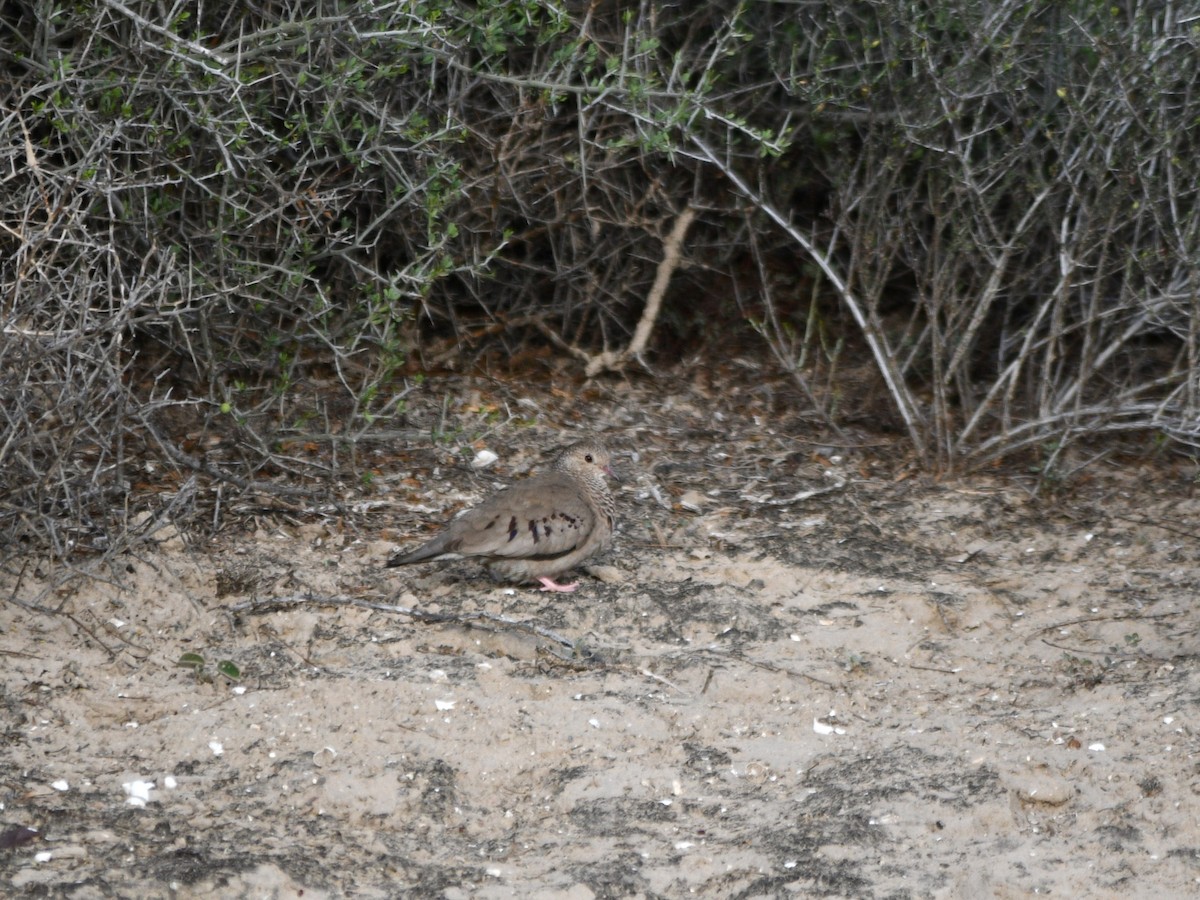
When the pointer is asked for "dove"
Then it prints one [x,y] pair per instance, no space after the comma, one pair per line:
[537,528]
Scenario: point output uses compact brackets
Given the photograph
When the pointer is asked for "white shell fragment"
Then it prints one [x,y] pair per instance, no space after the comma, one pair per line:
[820,726]
[137,793]
[483,459]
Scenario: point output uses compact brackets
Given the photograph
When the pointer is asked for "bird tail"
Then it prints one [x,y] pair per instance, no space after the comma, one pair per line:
[429,550]
[412,556]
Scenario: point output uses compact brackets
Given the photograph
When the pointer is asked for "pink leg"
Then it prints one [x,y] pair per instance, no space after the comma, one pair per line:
[548,584]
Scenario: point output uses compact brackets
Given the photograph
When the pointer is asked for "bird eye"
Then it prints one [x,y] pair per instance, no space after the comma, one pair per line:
[587,457]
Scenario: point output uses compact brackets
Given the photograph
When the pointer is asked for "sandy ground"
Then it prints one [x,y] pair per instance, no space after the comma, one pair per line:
[794,678]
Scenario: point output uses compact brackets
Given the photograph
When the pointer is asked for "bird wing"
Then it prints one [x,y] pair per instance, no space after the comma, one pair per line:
[543,517]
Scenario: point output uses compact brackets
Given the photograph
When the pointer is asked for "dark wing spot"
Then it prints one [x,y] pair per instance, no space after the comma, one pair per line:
[569,520]
[512,528]
[533,529]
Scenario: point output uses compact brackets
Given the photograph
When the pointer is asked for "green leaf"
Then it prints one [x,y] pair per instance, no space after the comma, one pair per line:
[229,670]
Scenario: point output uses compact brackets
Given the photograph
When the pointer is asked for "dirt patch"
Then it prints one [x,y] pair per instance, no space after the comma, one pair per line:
[796,679]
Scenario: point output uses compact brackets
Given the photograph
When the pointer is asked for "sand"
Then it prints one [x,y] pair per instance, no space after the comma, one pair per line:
[794,677]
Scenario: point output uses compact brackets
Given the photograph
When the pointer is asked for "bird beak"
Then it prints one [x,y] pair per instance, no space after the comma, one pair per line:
[608,470]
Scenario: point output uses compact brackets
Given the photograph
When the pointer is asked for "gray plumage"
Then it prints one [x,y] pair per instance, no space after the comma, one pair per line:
[537,528]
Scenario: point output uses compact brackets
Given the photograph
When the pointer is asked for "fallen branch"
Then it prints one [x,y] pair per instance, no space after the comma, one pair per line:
[575,652]
[614,361]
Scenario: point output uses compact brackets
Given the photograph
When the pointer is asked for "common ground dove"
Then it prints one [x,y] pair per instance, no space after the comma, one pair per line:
[537,528]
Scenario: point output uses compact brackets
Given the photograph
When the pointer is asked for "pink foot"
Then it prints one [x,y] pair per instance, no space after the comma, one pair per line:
[549,584]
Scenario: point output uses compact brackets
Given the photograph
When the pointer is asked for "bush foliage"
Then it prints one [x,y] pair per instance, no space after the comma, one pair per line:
[250,216]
